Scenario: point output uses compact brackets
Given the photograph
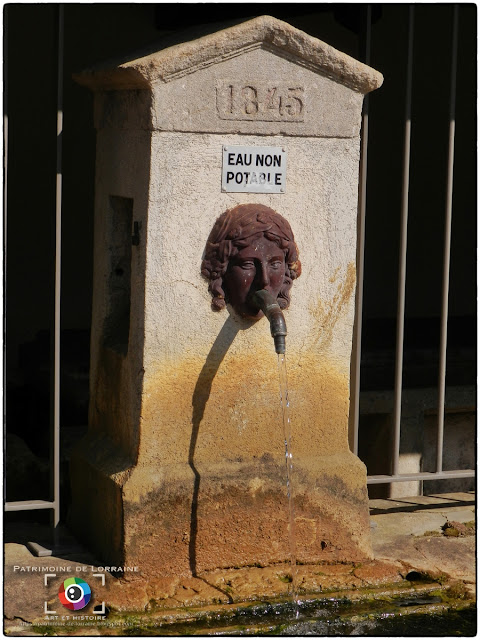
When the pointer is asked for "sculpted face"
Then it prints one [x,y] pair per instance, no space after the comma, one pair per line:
[260,265]
[250,247]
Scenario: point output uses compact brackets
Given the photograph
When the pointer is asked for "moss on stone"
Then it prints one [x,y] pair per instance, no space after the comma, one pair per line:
[287,578]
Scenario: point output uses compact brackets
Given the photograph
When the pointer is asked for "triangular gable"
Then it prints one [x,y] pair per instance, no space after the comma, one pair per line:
[264,32]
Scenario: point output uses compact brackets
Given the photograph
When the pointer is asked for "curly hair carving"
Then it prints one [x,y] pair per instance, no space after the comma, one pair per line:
[234,230]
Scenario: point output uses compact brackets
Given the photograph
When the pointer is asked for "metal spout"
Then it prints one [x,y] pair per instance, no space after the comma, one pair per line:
[267,303]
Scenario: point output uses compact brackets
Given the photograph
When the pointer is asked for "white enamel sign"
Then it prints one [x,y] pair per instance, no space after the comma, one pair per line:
[254,169]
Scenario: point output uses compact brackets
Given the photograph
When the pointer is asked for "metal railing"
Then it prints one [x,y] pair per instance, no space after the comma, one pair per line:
[439,473]
[54,504]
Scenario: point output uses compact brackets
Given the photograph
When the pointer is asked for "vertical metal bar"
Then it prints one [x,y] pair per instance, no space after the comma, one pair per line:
[403,250]
[447,242]
[5,145]
[5,203]
[361,243]
[58,258]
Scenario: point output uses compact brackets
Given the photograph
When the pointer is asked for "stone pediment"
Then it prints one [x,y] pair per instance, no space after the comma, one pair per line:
[264,32]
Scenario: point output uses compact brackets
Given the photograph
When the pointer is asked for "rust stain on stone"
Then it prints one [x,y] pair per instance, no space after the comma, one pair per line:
[231,410]
[223,525]
[210,473]
[328,313]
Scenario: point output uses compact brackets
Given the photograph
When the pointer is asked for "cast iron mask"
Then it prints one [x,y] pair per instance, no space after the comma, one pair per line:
[251,247]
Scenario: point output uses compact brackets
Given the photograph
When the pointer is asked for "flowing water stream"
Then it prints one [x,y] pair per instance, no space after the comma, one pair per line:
[287,437]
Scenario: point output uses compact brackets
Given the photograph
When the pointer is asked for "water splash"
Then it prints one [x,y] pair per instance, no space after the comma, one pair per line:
[287,436]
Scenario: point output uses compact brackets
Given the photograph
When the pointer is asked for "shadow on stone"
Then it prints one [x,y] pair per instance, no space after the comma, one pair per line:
[199,402]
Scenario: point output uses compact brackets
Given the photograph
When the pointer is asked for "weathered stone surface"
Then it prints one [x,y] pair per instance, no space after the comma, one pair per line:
[374,573]
[237,514]
[186,451]
[435,555]
[415,538]
[451,560]
[262,76]
[162,596]
[190,57]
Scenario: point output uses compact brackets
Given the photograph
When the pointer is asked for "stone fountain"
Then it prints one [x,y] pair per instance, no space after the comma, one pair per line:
[182,469]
